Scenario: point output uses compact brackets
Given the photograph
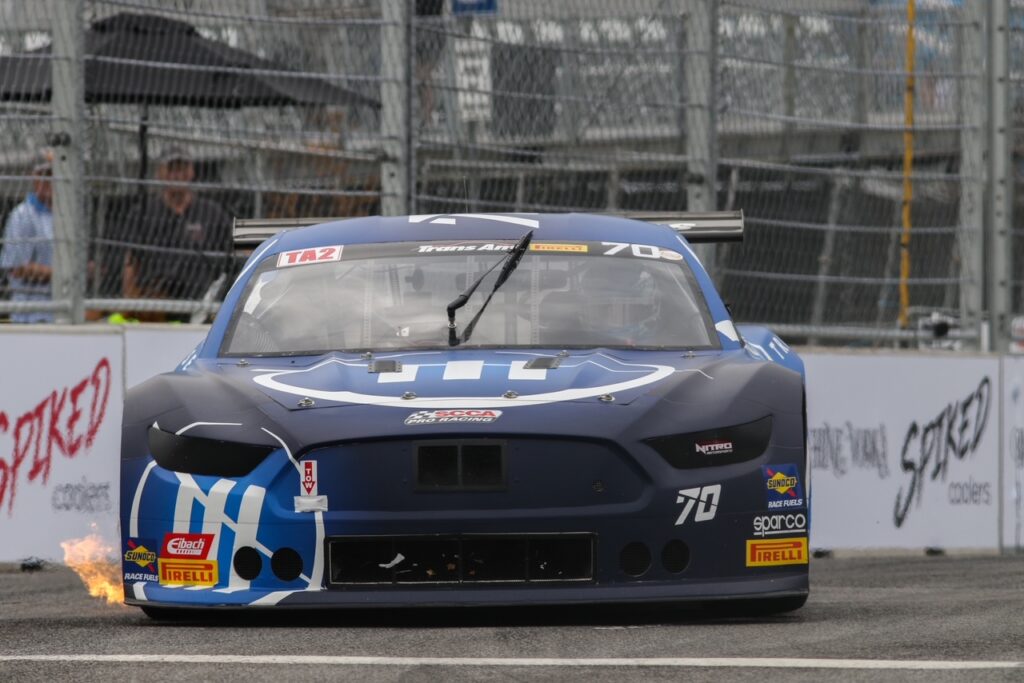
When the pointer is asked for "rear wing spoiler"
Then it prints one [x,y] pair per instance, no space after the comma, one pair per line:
[249,232]
[696,227]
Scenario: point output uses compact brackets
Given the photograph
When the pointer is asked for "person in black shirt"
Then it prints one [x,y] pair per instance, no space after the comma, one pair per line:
[178,242]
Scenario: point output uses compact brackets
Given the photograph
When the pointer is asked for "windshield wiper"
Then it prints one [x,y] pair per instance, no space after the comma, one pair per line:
[510,262]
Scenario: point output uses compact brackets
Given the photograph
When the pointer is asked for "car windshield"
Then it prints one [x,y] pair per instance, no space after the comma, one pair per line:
[394,296]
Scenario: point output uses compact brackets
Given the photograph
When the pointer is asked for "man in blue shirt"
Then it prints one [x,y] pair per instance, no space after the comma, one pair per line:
[27,253]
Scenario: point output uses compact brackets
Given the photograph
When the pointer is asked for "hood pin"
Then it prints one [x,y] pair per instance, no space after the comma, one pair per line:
[511,394]
[306,402]
[409,395]
[606,398]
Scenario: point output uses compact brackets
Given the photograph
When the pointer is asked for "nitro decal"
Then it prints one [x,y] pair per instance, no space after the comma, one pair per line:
[777,552]
[64,423]
[773,525]
[782,485]
[429,417]
[951,436]
[438,386]
[183,560]
[309,477]
[703,500]
[713,447]
[840,449]
[139,560]
[301,257]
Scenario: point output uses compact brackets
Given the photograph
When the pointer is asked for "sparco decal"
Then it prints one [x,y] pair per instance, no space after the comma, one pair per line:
[704,498]
[956,431]
[771,525]
[66,422]
[427,417]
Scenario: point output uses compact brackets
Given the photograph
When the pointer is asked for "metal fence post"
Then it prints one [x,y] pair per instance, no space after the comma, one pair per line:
[972,167]
[395,87]
[1000,182]
[701,29]
[68,139]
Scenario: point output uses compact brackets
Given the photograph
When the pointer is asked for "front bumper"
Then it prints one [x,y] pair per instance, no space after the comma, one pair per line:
[270,534]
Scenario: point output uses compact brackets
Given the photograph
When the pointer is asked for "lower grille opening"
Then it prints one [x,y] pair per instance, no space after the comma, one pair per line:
[476,559]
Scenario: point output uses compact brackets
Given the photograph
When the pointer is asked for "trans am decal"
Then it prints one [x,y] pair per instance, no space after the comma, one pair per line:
[438,382]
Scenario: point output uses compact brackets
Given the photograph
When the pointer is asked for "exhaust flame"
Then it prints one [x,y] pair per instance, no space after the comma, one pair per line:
[95,562]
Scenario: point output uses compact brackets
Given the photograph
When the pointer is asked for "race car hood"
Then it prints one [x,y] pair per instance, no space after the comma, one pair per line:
[345,396]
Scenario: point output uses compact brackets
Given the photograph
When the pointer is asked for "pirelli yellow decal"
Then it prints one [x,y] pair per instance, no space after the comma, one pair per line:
[177,572]
[776,552]
[542,246]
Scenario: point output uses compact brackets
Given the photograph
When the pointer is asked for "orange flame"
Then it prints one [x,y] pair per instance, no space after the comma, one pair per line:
[95,562]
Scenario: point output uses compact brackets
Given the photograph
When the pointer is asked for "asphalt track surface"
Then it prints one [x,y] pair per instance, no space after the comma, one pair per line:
[913,618]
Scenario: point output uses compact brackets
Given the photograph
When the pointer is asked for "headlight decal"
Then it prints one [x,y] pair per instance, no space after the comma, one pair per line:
[715,447]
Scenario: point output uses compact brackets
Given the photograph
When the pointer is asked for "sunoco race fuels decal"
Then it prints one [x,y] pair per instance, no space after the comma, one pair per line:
[139,560]
[782,486]
[429,417]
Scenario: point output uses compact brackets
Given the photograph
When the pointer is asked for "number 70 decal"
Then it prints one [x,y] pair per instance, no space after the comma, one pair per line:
[705,499]
[641,251]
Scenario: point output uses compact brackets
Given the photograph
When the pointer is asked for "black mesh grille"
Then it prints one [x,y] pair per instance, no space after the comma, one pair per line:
[461,559]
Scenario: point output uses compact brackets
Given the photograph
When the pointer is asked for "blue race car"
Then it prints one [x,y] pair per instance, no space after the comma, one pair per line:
[471,409]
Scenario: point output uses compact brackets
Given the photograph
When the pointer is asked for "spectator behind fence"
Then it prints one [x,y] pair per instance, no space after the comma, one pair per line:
[27,253]
[430,40]
[183,241]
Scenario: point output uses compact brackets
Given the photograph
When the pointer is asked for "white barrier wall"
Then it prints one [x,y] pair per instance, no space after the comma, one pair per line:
[1013,452]
[60,435]
[61,396]
[904,447]
[904,450]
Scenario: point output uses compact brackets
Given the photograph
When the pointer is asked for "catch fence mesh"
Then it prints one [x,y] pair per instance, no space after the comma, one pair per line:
[793,112]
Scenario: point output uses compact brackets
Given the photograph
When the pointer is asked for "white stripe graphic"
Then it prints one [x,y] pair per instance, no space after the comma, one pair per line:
[406,374]
[318,561]
[133,526]
[139,589]
[196,424]
[188,491]
[463,369]
[602,662]
[213,515]
[245,531]
[269,380]
[517,370]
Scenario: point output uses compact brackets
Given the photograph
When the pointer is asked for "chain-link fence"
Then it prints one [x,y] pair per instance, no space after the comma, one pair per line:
[794,112]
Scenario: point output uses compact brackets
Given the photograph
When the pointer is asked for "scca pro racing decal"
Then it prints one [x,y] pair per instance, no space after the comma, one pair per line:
[139,560]
[429,417]
[782,487]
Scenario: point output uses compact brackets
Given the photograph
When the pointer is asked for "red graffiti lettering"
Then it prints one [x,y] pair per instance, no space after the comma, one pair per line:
[53,426]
